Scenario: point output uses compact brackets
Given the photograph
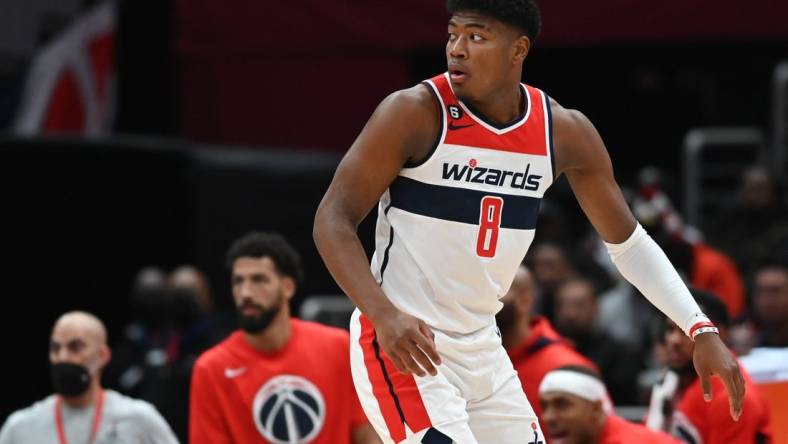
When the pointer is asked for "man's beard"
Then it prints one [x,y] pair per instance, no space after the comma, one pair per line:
[257,323]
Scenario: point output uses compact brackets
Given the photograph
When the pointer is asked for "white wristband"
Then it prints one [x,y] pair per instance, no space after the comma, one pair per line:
[702,330]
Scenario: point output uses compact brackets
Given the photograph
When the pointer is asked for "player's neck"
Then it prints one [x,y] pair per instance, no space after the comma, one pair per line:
[84,400]
[518,333]
[275,336]
[502,107]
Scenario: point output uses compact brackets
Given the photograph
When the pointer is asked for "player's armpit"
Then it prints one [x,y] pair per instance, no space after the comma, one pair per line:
[582,156]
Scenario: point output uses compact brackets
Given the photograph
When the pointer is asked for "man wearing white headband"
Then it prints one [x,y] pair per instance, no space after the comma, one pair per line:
[577,410]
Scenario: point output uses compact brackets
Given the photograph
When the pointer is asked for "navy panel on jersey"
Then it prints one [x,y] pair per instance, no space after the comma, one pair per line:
[460,204]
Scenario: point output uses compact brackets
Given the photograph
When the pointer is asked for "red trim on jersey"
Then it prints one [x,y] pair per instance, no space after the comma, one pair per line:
[397,394]
[528,138]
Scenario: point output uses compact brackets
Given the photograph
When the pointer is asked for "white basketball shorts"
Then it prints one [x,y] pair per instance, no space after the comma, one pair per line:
[476,397]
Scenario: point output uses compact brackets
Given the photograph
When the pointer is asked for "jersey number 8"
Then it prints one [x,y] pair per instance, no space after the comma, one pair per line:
[489,225]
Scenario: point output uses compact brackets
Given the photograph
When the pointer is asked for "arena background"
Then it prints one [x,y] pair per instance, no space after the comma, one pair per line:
[231,116]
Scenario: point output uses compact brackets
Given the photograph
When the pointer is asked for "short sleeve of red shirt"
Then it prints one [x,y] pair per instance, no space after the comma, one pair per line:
[206,422]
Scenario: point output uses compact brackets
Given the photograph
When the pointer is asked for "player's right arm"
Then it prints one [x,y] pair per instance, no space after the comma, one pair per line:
[402,128]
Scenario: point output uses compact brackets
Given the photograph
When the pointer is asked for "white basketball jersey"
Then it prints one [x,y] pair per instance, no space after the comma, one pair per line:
[452,230]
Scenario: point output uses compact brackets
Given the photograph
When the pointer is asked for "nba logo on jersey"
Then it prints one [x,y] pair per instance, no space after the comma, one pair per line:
[289,410]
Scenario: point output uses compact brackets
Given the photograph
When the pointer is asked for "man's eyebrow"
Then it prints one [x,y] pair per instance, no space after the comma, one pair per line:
[471,25]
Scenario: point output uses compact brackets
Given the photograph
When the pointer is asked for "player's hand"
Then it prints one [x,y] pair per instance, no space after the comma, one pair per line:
[408,342]
[711,356]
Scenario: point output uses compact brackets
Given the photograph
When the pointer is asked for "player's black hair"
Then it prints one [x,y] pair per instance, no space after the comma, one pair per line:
[260,244]
[588,371]
[712,306]
[522,14]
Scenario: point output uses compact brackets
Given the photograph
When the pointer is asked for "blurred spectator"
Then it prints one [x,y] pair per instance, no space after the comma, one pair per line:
[174,325]
[767,363]
[755,222]
[768,328]
[577,410]
[550,265]
[533,346]
[700,265]
[677,403]
[770,302]
[81,410]
[276,379]
[575,318]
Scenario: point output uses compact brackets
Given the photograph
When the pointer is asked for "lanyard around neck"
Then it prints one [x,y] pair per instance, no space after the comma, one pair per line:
[61,433]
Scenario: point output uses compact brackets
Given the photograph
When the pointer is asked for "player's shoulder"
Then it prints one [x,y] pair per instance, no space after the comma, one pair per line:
[216,355]
[132,407]
[411,103]
[27,416]
[568,120]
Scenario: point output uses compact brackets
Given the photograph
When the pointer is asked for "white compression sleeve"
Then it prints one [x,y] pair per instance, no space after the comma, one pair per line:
[645,265]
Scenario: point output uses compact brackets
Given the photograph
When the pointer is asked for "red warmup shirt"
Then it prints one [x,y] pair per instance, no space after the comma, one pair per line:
[542,351]
[694,418]
[301,393]
[618,430]
[715,272]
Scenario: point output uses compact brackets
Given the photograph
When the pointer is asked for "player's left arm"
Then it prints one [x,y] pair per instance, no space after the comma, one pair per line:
[581,155]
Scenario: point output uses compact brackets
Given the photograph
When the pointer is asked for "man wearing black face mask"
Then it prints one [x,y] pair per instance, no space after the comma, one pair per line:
[81,411]
[276,379]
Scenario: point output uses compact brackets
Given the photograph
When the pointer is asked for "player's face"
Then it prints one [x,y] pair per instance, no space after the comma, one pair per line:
[257,285]
[678,347]
[481,54]
[74,344]
[569,419]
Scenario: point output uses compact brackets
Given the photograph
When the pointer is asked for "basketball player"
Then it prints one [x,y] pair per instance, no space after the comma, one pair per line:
[81,411]
[277,379]
[459,164]
[577,410]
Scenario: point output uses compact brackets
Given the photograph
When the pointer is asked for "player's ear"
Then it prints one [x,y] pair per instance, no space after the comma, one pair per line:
[105,354]
[288,287]
[521,48]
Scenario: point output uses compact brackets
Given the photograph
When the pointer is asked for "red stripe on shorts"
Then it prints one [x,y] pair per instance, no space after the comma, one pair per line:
[397,393]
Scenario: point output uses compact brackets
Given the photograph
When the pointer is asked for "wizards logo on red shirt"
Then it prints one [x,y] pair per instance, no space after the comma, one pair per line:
[289,409]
